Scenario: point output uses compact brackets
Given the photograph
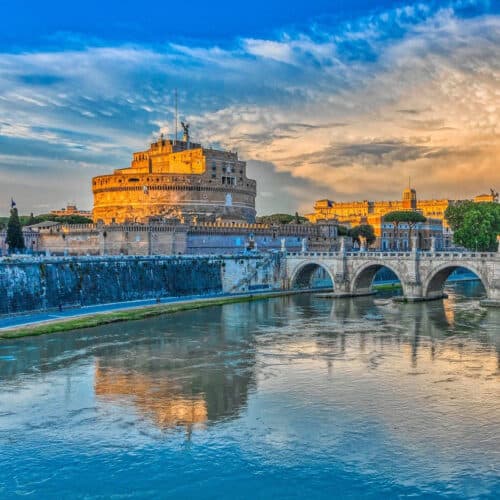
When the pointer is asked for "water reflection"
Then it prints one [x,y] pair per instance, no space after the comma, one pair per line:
[397,399]
[161,399]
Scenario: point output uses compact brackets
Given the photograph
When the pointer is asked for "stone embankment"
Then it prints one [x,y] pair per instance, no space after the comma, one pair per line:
[52,283]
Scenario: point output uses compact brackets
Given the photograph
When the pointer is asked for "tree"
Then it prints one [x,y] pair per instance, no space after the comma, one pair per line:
[455,213]
[72,219]
[475,225]
[343,230]
[281,219]
[15,238]
[410,217]
[365,230]
[29,220]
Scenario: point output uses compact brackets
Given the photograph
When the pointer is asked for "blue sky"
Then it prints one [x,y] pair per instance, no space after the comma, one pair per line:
[338,99]
[35,23]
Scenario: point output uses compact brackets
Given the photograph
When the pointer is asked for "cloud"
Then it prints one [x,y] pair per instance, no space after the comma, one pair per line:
[333,111]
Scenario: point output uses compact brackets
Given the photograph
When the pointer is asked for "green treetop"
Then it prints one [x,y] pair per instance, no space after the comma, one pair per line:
[475,225]
[363,230]
[409,217]
[281,219]
[455,213]
[15,238]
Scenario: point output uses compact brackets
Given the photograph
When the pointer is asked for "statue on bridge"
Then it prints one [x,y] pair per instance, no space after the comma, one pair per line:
[362,243]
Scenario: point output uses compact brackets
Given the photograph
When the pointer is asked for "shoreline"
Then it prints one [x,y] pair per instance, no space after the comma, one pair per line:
[121,312]
[132,313]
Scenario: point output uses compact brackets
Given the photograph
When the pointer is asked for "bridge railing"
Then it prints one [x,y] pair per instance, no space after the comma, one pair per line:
[461,255]
[379,253]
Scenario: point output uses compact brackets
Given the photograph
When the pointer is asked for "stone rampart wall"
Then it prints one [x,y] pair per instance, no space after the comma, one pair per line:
[175,239]
[109,242]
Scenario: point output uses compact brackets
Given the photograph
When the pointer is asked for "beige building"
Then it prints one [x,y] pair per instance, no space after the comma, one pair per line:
[71,209]
[354,213]
[176,179]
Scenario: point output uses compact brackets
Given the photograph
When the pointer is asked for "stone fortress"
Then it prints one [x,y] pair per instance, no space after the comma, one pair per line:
[179,197]
[176,179]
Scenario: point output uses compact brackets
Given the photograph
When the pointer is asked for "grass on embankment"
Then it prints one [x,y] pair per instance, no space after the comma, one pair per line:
[104,318]
[386,286]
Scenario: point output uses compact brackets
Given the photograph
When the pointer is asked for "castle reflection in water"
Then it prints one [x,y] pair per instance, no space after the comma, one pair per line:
[197,368]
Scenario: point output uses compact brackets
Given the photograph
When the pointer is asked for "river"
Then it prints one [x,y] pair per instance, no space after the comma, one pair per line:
[295,396]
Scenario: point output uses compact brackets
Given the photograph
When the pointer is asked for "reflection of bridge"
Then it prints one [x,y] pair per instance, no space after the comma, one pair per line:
[422,274]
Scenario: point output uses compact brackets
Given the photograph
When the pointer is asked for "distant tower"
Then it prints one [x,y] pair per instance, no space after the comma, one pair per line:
[409,198]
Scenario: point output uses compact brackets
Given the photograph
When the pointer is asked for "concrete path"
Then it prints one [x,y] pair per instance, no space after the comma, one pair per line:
[19,321]
[9,322]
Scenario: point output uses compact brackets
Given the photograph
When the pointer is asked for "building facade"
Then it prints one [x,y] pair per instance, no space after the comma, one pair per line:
[430,236]
[354,213]
[176,179]
[71,209]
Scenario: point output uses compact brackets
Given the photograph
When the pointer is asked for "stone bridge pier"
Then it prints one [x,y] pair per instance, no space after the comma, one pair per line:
[422,274]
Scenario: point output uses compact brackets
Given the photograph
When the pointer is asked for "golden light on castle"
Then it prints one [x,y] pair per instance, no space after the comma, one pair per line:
[176,179]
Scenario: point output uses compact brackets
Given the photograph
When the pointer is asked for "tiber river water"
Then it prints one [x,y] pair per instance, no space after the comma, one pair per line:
[291,397]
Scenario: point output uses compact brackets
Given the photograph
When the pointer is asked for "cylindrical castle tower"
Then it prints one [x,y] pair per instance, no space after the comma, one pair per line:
[176,179]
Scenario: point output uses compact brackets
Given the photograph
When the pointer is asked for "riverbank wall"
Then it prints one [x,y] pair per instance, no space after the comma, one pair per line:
[41,284]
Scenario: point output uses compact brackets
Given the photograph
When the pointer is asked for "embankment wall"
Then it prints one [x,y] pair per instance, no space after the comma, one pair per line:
[37,284]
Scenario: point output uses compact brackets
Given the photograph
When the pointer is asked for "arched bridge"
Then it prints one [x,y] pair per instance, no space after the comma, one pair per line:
[422,274]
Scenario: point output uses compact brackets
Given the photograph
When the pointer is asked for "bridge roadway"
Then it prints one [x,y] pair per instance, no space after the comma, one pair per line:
[422,274]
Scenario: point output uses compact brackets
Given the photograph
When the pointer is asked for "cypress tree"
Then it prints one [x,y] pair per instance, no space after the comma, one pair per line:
[15,238]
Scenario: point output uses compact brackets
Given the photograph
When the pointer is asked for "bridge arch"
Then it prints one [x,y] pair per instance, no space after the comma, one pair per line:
[303,274]
[363,277]
[433,286]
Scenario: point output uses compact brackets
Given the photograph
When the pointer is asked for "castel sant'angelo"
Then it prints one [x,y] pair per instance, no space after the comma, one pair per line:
[176,179]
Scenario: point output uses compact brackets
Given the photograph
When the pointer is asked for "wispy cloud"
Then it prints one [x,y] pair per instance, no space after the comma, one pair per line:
[347,112]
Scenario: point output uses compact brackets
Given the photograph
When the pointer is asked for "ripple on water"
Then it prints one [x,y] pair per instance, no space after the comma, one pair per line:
[290,397]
